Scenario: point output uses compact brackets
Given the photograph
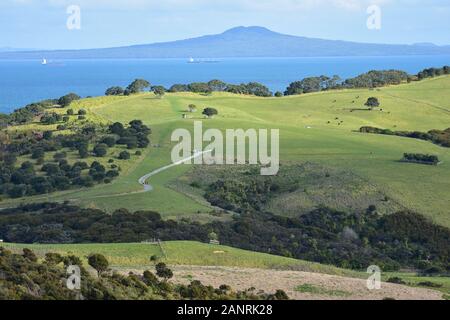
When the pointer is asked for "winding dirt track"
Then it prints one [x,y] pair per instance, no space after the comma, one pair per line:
[143,180]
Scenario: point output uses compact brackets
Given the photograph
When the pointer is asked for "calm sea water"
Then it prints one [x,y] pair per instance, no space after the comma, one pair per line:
[23,82]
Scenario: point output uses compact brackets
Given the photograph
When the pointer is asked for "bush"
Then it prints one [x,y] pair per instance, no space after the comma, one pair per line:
[100,150]
[114,91]
[110,141]
[66,100]
[163,271]
[98,262]
[396,280]
[210,112]
[37,153]
[124,155]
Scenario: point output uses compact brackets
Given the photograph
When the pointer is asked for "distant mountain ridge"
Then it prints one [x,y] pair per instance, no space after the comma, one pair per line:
[239,42]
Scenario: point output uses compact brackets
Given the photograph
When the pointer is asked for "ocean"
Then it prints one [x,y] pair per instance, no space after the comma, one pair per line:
[26,81]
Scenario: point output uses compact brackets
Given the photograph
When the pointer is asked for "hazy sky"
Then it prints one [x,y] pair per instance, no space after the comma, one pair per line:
[106,23]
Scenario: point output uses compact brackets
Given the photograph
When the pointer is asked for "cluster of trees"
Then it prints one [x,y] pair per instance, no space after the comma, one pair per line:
[433,72]
[371,79]
[217,85]
[66,100]
[32,110]
[134,136]
[439,137]
[420,158]
[28,113]
[139,85]
[313,84]
[356,240]
[25,180]
[25,277]
[375,79]
[40,176]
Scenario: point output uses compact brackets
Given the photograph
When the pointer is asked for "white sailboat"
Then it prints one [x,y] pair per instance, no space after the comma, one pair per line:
[191,60]
[44,61]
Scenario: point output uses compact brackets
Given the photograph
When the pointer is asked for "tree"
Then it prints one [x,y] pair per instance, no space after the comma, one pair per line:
[53,258]
[117,128]
[47,135]
[159,91]
[213,236]
[37,153]
[258,89]
[210,112]
[372,102]
[83,150]
[163,271]
[70,112]
[28,254]
[66,100]
[124,155]
[98,262]
[217,85]
[110,141]
[137,86]
[192,108]
[114,91]
[199,87]
[100,150]
[278,94]
[82,112]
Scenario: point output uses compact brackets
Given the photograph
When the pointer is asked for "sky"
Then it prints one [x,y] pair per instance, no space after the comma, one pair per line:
[42,24]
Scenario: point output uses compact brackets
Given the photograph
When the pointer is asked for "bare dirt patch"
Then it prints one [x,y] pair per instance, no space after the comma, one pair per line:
[325,287]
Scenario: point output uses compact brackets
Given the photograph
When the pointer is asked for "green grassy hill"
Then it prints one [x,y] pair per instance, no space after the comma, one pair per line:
[319,128]
[137,255]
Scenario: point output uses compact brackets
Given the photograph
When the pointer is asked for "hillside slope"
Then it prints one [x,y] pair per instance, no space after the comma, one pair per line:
[317,128]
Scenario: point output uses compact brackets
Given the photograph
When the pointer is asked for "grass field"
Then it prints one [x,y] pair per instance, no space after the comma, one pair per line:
[137,255]
[317,128]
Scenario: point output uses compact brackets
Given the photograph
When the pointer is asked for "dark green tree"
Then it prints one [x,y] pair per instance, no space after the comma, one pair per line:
[100,150]
[99,263]
[115,91]
[210,112]
[66,100]
[372,102]
[137,86]
[163,271]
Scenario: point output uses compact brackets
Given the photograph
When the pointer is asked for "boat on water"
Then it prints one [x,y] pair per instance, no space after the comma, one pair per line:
[44,61]
[192,60]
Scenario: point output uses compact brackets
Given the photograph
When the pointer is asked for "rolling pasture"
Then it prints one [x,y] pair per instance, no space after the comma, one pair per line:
[317,128]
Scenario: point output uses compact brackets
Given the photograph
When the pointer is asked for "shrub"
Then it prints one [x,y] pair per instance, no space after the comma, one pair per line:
[124,155]
[98,262]
[396,280]
[66,100]
[100,150]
